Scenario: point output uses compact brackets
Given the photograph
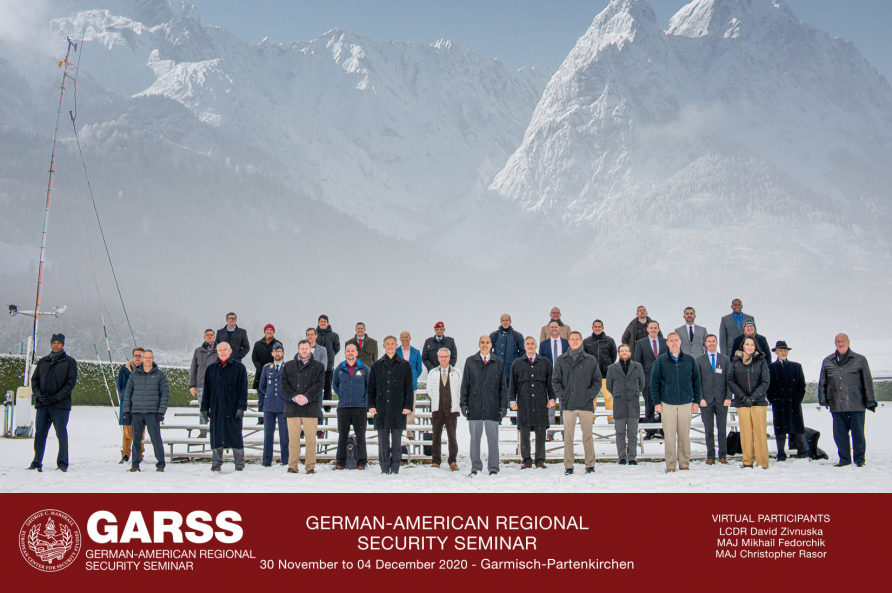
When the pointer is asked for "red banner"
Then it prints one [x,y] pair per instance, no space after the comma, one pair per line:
[441,541]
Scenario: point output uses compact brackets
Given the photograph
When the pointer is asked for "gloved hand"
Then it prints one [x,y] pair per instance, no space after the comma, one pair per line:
[46,401]
[159,418]
[503,413]
[748,401]
[465,411]
[128,417]
[239,414]
[872,406]
[203,416]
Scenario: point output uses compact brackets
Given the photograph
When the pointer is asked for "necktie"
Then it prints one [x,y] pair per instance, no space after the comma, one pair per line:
[713,361]
[531,360]
[691,331]
[656,352]
[360,343]
[443,377]
[277,368]
[737,321]
[554,354]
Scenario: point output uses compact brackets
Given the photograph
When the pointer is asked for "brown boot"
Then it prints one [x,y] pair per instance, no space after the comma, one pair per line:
[710,462]
[215,469]
[724,461]
[311,471]
[453,467]
[435,465]
[540,465]
[526,465]
[293,471]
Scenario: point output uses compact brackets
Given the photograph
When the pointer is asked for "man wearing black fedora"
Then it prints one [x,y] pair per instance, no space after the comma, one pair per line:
[785,392]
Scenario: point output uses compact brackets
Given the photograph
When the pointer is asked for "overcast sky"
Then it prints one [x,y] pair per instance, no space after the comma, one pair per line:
[518,32]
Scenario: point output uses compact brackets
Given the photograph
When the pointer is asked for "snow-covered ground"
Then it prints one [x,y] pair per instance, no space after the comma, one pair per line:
[94,444]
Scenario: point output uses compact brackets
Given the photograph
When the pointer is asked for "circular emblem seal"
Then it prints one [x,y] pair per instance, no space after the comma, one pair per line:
[50,540]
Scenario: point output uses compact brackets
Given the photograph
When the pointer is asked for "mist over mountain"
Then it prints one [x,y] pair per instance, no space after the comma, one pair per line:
[740,152]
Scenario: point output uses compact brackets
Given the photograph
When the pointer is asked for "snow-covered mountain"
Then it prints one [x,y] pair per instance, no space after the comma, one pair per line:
[738,127]
[738,152]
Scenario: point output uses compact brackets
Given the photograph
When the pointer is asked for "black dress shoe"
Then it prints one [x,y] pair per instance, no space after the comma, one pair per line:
[781,456]
[37,467]
[589,470]
[623,462]
[472,474]
[859,464]
[159,470]
[266,464]
[493,473]
[568,472]
[841,464]
[633,462]
[62,469]
[124,459]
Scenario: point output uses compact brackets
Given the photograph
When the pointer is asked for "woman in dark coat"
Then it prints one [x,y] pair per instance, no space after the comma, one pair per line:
[531,394]
[226,399]
[748,380]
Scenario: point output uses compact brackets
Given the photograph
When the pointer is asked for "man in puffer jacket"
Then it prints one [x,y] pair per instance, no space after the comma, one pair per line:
[145,403]
[350,381]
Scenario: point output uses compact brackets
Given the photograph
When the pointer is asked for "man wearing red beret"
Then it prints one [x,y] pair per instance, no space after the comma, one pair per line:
[433,344]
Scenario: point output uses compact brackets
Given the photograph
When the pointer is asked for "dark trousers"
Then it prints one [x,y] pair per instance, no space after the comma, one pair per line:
[150,424]
[326,395]
[355,417]
[525,443]
[269,435]
[389,453]
[450,420]
[715,415]
[650,412]
[59,421]
[843,424]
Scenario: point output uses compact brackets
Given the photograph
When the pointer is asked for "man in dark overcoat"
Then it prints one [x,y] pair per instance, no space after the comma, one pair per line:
[785,393]
[531,395]
[391,392]
[225,400]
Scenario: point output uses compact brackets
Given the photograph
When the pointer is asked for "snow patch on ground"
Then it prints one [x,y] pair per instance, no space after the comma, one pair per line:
[94,445]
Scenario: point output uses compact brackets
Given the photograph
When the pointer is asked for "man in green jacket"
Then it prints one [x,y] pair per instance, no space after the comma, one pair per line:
[675,389]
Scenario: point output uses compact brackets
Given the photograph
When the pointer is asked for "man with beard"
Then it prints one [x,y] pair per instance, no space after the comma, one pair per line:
[271,399]
[303,380]
[225,401]
[54,378]
[603,348]
[507,344]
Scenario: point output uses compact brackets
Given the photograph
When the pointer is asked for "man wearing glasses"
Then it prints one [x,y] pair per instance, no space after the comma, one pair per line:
[121,384]
[236,337]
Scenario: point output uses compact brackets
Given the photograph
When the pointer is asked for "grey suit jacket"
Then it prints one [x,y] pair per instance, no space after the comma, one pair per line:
[695,348]
[714,385]
[728,331]
[644,355]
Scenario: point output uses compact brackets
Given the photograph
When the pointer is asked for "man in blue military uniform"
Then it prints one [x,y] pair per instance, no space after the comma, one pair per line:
[271,399]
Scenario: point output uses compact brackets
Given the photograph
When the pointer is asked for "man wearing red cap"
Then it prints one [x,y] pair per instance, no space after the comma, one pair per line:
[262,356]
[433,344]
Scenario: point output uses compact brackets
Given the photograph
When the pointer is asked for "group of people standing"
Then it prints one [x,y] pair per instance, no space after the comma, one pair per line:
[689,370]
